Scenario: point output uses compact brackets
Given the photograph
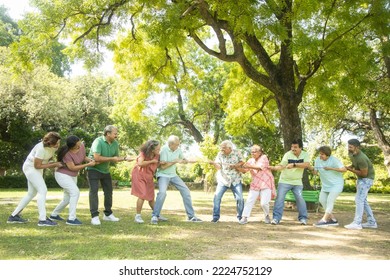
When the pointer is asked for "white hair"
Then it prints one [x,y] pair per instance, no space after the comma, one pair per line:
[227,143]
[173,139]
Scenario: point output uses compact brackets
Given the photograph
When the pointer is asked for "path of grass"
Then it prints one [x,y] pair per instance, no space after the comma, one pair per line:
[181,240]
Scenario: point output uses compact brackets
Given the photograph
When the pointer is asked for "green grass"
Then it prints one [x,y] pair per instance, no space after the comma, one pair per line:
[172,240]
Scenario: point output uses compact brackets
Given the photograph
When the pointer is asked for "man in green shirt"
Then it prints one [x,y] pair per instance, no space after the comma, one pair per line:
[104,150]
[364,170]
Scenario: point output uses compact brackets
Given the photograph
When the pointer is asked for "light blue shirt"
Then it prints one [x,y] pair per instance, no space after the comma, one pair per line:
[166,154]
[331,180]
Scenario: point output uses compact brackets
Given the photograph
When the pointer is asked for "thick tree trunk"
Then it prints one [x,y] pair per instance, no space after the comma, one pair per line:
[290,122]
[381,139]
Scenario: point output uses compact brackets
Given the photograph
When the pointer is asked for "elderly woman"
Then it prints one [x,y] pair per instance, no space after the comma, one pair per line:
[263,184]
[331,171]
[142,176]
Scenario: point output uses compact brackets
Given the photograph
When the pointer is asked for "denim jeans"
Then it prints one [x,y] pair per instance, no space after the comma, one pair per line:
[220,191]
[94,177]
[363,185]
[163,183]
[281,195]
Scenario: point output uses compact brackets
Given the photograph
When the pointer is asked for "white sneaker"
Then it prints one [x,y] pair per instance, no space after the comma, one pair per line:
[138,219]
[267,220]
[110,218]
[162,218]
[154,220]
[353,225]
[243,221]
[95,221]
[370,225]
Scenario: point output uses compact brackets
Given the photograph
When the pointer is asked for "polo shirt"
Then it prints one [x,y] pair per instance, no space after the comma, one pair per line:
[293,176]
[102,147]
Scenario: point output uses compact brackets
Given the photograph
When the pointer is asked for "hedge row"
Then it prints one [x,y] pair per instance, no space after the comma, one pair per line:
[15,181]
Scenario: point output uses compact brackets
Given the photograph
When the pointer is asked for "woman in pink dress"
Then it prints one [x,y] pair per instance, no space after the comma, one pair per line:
[142,176]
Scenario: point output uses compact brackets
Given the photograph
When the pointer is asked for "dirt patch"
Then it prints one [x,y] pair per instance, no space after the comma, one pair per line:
[289,240]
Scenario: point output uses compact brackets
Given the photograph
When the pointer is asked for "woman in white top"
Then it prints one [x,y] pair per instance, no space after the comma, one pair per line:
[38,159]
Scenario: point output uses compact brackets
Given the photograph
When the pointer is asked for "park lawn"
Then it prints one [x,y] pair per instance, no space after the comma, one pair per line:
[172,240]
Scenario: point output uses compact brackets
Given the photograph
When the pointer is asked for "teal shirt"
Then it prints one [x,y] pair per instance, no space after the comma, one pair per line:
[361,161]
[166,154]
[293,176]
[331,180]
[102,147]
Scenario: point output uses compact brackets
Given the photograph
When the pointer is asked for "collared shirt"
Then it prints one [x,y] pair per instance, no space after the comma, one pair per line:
[102,147]
[166,154]
[227,175]
[261,179]
[293,176]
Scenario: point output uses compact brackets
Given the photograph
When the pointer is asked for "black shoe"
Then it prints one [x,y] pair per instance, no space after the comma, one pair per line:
[47,223]
[57,218]
[215,220]
[16,220]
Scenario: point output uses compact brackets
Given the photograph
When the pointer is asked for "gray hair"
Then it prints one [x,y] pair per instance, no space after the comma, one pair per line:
[173,139]
[108,128]
[227,143]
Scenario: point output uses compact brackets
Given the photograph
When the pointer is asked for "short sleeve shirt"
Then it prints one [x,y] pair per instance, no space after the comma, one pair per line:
[41,152]
[293,176]
[102,147]
[331,180]
[166,154]
[226,175]
[361,161]
[77,158]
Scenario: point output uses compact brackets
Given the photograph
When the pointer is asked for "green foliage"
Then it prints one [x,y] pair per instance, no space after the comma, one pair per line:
[8,28]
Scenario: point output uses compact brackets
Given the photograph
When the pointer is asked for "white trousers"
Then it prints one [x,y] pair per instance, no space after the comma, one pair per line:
[35,185]
[265,198]
[71,194]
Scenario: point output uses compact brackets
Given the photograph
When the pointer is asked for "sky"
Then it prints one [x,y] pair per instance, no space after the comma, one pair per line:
[17,8]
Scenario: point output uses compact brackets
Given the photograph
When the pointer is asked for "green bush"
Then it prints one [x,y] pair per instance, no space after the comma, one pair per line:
[13,182]
[20,181]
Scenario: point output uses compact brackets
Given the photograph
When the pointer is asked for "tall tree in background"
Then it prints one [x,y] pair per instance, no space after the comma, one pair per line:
[279,44]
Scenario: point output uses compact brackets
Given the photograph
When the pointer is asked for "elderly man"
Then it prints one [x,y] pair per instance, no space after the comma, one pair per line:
[228,162]
[104,150]
[291,166]
[362,167]
[171,154]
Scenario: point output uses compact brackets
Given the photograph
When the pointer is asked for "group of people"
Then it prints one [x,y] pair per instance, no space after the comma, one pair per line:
[159,162]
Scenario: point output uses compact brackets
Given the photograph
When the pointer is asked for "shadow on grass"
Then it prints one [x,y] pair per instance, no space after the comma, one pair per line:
[181,240]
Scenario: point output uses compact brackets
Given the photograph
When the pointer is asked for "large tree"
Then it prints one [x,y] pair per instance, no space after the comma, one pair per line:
[279,44]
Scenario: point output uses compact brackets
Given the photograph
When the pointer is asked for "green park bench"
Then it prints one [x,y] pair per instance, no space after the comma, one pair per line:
[124,183]
[312,196]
